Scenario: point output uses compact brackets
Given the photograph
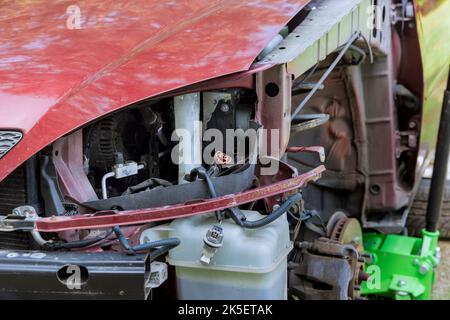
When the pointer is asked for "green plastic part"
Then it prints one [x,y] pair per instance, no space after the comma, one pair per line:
[402,268]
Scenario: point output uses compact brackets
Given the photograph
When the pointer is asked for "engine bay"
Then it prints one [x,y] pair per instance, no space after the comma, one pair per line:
[284,180]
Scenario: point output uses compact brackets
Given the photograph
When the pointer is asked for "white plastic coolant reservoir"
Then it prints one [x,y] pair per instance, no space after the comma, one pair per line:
[251,264]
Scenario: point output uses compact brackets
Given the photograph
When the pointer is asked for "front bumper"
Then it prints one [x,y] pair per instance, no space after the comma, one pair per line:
[110,275]
[73,275]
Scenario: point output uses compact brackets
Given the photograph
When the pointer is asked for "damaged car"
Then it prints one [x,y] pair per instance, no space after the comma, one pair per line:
[212,149]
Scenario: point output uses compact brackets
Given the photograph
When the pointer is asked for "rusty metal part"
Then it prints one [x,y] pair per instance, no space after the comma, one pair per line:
[273,88]
[348,231]
[389,188]
[331,268]
[315,149]
[327,271]
[309,121]
[361,146]
[343,141]
[338,134]
[332,221]
[104,219]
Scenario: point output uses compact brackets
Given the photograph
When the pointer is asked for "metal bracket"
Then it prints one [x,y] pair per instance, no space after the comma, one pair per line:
[327,27]
[406,141]
[22,218]
[402,12]
[105,219]
[315,149]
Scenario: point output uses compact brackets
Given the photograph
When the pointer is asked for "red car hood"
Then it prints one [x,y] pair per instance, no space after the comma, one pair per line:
[54,79]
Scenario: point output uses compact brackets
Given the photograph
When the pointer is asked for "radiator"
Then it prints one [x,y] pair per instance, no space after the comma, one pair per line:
[18,189]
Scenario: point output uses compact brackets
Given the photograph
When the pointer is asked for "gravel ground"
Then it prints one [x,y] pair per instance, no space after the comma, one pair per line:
[441,289]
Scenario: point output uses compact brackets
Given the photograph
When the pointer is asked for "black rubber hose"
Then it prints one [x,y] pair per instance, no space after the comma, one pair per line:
[166,244]
[161,251]
[77,244]
[438,180]
[238,216]
[203,174]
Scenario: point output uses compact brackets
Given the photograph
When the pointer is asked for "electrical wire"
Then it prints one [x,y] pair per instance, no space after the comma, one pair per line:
[76,244]
[162,246]
[238,216]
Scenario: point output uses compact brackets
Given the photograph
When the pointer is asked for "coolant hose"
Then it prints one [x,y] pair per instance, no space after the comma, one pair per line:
[238,216]
[163,245]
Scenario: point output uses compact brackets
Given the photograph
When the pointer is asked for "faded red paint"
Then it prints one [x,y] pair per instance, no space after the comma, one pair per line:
[54,80]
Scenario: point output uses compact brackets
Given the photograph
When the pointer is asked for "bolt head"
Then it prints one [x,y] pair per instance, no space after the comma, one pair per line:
[424,268]
[401,283]
[437,254]
[409,10]
[225,107]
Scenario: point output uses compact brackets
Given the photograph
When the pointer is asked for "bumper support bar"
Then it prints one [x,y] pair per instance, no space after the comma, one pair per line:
[106,219]
[63,275]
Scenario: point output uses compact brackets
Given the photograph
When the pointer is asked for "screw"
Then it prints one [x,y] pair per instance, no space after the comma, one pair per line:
[225,107]
[424,268]
[409,10]
[401,283]
[437,254]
